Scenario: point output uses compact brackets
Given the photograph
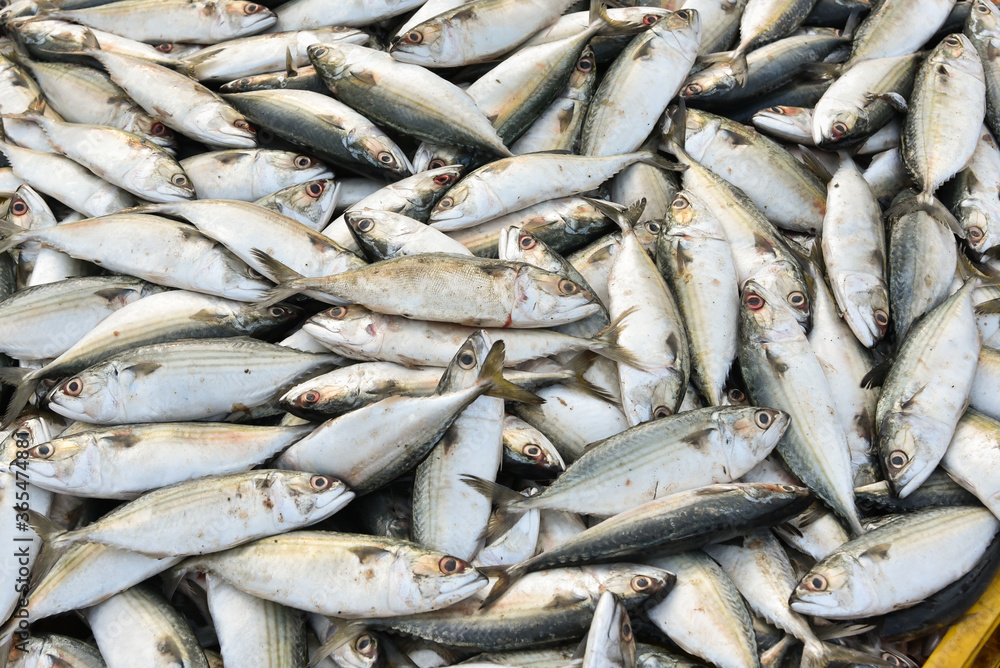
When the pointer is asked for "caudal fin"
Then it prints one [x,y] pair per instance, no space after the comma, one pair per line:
[290,282]
[497,386]
[26,383]
[820,654]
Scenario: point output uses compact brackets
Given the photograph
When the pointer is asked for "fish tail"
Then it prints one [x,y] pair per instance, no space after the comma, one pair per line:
[599,18]
[491,375]
[15,236]
[510,506]
[26,383]
[817,654]
[606,341]
[579,366]
[505,580]
[281,272]
[51,533]
[927,202]
[625,218]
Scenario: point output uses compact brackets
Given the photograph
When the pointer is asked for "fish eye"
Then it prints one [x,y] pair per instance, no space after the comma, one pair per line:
[982,8]
[975,234]
[321,51]
[891,658]
[527,242]
[309,398]
[653,228]
[253,273]
[414,37]
[252,8]
[754,302]
[661,412]
[166,47]
[763,419]
[466,360]
[436,163]
[650,19]
[385,158]
[337,312]
[179,180]
[881,319]
[532,450]
[278,311]
[839,129]
[73,387]
[680,202]
[43,451]
[158,129]
[451,565]
[365,225]
[788,488]
[797,299]
[302,161]
[627,632]
[585,64]
[241,124]
[443,179]
[640,583]
[816,582]
[693,89]
[736,395]
[365,645]
[898,459]
[315,189]
[320,482]
[568,287]
[447,203]
[686,14]
[18,207]
[951,40]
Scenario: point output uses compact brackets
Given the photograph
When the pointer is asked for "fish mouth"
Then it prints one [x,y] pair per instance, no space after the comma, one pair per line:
[337,500]
[463,587]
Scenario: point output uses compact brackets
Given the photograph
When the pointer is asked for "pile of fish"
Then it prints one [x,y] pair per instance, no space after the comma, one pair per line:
[526,333]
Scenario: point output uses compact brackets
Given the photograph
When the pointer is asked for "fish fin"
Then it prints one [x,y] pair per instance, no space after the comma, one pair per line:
[278,269]
[15,235]
[810,515]
[608,338]
[894,100]
[579,366]
[364,77]
[988,308]
[621,216]
[289,63]
[817,654]
[90,41]
[876,376]
[790,529]
[289,281]
[345,633]
[835,631]
[143,368]
[674,131]
[206,315]
[823,69]
[26,383]
[54,535]
[500,387]
[187,69]
[927,202]
[853,21]
[660,162]
[812,162]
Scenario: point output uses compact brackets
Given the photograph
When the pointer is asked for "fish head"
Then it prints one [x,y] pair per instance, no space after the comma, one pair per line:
[314,200]
[784,280]
[72,461]
[978,217]
[93,395]
[584,76]
[465,366]
[866,307]
[153,130]
[304,497]
[755,433]
[432,42]
[790,123]
[28,210]
[632,582]
[837,584]
[528,447]
[296,167]
[956,52]
[833,128]
[382,234]
[352,326]
[12,9]
[435,156]
[367,144]
[26,432]
[709,82]
[542,297]
[234,19]
[519,245]
[221,125]
[647,233]
[332,61]
[906,455]
[170,182]
[734,396]
[360,650]
[984,20]
[681,30]
[462,202]
[765,317]
[254,319]
[419,577]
